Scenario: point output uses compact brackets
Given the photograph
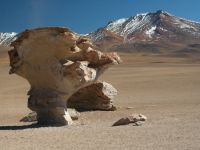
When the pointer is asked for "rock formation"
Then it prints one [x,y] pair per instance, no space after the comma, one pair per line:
[57,63]
[97,96]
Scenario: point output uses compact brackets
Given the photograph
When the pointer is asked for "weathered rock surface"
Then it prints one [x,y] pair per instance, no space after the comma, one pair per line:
[136,119]
[57,63]
[97,96]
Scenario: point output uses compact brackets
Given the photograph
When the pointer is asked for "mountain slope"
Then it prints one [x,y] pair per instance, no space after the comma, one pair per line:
[150,32]
[7,38]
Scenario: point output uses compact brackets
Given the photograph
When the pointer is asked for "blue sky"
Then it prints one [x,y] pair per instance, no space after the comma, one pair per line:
[84,16]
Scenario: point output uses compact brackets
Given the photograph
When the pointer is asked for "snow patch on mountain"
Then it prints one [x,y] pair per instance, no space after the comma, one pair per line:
[135,23]
[163,29]
[151,31]
[7,38]
[98,35]
[126,26]
[115,26]
[186,26]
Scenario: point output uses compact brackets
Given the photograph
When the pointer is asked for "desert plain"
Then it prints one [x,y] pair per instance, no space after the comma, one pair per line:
[165,89]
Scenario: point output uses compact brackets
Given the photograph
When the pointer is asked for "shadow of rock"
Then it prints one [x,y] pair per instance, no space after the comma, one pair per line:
[22,127]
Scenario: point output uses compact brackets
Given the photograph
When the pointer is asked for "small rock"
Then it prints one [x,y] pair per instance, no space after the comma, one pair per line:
[31,117]
[73,113]
[137,119]
[139,123]
[129,107]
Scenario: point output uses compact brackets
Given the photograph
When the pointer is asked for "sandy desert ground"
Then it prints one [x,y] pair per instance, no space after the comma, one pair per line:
[166,90]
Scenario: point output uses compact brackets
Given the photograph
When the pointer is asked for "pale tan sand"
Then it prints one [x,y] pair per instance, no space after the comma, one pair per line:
[167,93]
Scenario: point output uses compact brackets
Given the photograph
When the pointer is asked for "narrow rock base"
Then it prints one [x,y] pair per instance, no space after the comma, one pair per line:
[54,117]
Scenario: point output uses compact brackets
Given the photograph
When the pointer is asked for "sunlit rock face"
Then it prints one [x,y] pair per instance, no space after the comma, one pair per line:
[57,63]
[97,96]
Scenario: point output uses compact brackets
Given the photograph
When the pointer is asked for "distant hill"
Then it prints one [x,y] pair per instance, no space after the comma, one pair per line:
[157,32]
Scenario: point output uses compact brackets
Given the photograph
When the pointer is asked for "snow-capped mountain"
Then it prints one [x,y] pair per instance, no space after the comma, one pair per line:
[155,32]
[152,24]
[7,38]
[148,31]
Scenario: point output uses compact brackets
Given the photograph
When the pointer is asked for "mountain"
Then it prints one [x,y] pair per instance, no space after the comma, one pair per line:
[155,32]
[7,38]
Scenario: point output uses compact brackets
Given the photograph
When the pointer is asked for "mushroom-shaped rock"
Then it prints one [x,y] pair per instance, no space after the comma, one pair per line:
[57,63]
